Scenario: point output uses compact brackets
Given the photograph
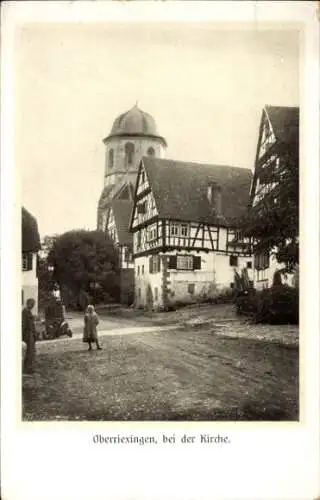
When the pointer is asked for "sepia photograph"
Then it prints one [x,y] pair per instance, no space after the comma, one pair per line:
[159,167]
[160,250]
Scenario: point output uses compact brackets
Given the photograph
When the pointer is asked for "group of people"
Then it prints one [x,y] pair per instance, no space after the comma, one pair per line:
[29,334]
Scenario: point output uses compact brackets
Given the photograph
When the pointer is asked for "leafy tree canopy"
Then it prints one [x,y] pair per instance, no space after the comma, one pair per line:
[274,221]
[84,259]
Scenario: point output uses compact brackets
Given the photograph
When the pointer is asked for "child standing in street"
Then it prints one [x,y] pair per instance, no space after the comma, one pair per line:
[90,333]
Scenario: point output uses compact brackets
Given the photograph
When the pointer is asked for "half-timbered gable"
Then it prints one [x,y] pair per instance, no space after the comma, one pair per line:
[277,151]
[278,136]
[182,222]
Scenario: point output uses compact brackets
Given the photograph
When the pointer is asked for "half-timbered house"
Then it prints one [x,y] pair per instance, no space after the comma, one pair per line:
[277,151]
[117,227]
[184,225]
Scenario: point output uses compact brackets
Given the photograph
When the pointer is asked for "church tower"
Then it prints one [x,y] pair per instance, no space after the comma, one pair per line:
[133,135]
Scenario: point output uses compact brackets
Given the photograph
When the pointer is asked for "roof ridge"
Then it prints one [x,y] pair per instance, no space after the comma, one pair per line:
[192,163]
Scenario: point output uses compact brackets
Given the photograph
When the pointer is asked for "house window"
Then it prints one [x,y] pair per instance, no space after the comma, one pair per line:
[184,262]
[127,255]
[262,275]
[142,269]
[151,151]
[191,288]
[233,261]
[141,207]
[154,264]
[139,239]
[249,265]
[27,262]
[174,230]
[152,233]
[184,230]
[156,293]
[111,158]
[129,153]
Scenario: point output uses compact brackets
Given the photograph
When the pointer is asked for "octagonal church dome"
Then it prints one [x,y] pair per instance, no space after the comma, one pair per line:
[135,122]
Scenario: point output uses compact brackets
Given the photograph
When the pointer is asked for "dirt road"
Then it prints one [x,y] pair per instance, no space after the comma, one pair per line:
[187,374]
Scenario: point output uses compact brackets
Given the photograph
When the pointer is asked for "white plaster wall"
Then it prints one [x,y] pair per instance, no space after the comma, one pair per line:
[30,284]
[268,274]
[225,272]
[214,275]
[143,280]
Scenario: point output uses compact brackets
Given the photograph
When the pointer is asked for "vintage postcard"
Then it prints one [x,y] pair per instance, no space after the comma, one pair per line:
[160,250]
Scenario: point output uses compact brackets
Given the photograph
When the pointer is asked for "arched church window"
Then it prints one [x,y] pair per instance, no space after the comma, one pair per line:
[129,152]
[111,155]
[151,151]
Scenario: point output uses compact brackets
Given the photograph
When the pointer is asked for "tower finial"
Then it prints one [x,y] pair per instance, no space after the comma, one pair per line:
[137,103]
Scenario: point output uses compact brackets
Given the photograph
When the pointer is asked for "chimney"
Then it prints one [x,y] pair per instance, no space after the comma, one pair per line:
[214,197]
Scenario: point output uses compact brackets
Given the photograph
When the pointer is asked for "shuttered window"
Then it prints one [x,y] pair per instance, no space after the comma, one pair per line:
[184,262]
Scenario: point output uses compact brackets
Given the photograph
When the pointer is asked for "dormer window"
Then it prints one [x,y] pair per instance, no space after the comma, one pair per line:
[129,153]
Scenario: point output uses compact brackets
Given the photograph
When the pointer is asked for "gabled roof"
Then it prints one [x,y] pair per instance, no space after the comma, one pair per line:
[126,192]
[180,190]
[30,233]
[122,213]
[285,122]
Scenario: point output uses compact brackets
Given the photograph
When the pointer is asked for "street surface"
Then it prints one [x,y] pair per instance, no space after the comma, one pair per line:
[199,363]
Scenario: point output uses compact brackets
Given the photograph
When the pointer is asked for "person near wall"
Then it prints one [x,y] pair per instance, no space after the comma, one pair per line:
[29,336]
[90,332]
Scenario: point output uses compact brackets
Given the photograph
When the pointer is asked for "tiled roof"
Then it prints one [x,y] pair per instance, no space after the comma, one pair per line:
[122,213]
[285,123]
[180,190]
[30,233]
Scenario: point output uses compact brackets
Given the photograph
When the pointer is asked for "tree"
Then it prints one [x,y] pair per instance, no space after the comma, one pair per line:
[85,262]
[274,221]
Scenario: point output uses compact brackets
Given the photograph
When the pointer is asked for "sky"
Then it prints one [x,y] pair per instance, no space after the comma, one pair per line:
[204,86]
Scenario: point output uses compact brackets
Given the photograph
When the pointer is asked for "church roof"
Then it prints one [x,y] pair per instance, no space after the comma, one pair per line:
[285,123]
[135,122]
[105,196]
[122,213]
[30,233]
[180,190]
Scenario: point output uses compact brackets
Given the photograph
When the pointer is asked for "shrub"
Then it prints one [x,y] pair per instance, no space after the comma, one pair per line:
[276,305]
